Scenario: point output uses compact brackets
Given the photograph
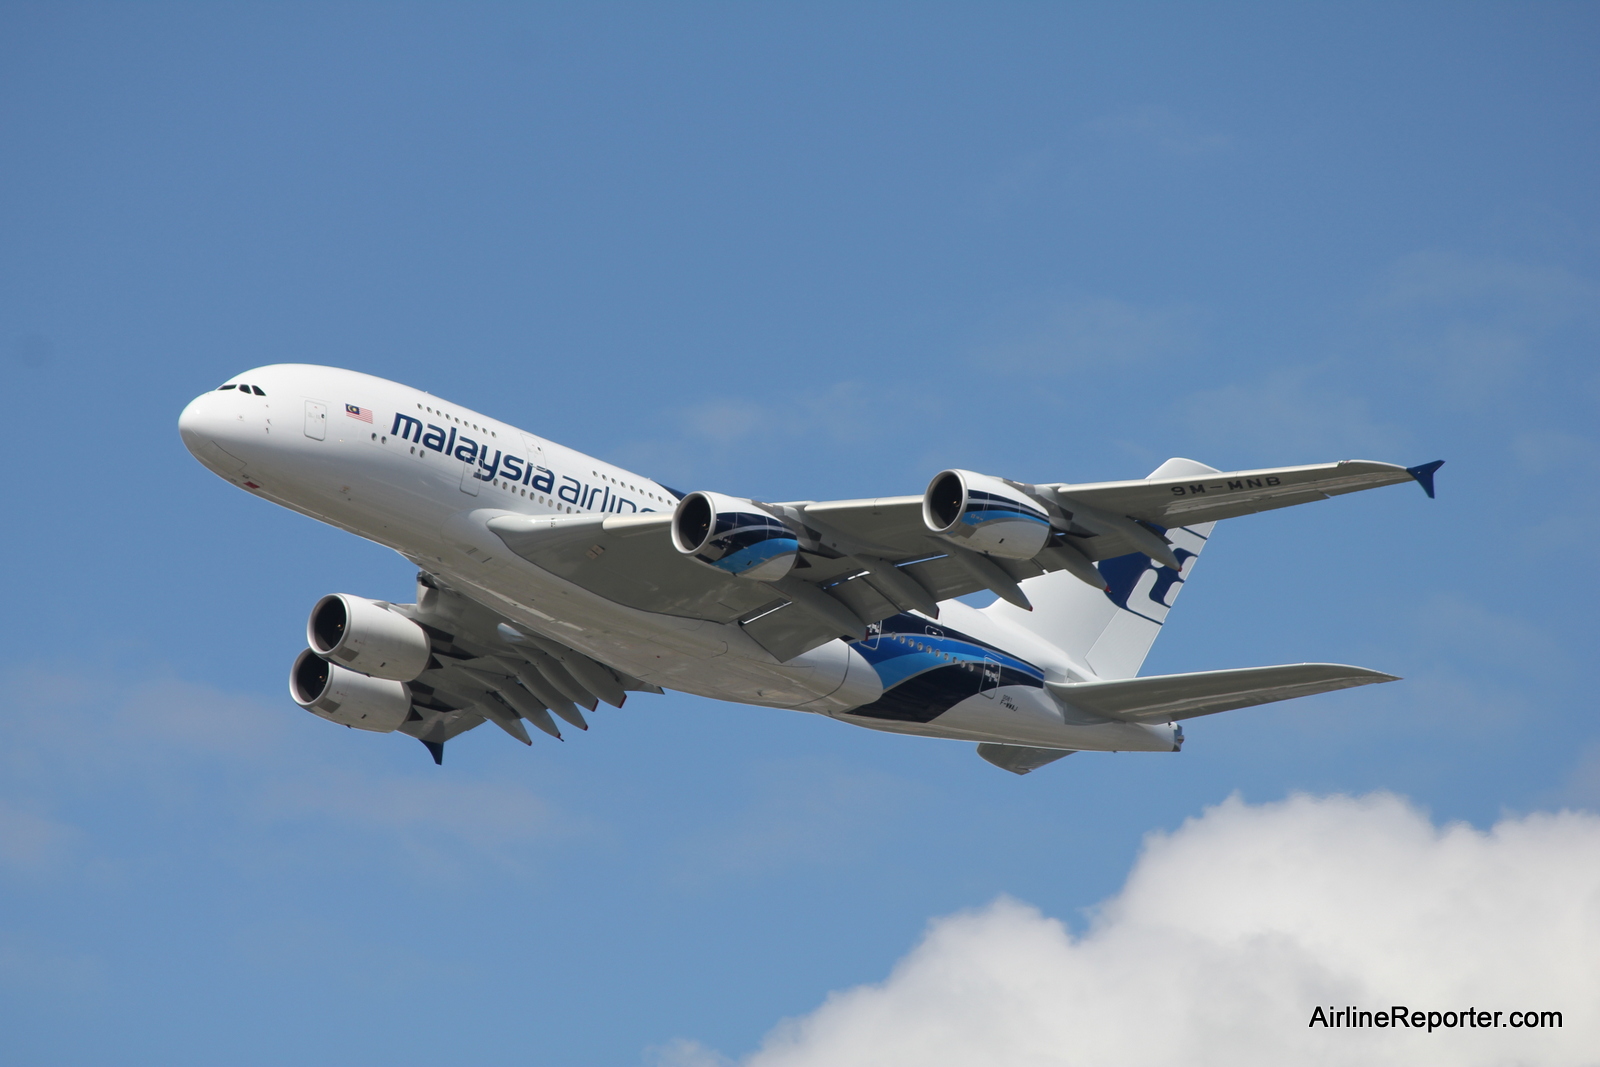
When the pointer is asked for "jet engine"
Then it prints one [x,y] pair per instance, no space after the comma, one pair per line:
[348,697]
[365,636]
[985,514]
[734,536]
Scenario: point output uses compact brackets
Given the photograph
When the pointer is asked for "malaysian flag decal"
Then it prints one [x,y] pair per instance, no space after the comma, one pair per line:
[363,414]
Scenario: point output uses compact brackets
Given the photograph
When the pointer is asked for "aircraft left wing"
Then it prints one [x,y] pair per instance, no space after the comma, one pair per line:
[829,569]
[1169,697]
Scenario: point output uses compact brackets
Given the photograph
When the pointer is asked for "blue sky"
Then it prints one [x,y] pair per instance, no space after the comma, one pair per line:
[780,251]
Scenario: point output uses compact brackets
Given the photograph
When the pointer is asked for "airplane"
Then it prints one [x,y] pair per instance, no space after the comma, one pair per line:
[550,581]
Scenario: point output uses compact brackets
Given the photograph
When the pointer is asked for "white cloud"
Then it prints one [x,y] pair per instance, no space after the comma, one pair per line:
[681,1052]
[1231,930]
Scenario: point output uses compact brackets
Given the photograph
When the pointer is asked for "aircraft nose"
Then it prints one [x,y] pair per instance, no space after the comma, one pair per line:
[209,428]
[200,422]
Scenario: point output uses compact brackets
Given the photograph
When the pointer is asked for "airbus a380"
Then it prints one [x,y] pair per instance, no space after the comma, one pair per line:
[549,581]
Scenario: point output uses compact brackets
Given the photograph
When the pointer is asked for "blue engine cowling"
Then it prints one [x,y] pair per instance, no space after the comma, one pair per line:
[735,536]
[985,514]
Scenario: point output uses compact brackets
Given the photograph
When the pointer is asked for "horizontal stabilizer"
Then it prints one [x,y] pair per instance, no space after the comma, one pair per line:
[1169,697]
[1020,759]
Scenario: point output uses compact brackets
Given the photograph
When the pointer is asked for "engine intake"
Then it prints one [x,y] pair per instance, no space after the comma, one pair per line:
[348,697]
[735,536]
[985,514]
[365,636]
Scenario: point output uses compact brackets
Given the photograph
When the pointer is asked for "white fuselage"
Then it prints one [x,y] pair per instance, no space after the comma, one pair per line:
[322,441]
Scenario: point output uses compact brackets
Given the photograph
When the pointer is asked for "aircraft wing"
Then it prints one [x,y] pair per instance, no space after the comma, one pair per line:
[842,583]
[484,669]
[1186,501]
[1169,697]
[861,561]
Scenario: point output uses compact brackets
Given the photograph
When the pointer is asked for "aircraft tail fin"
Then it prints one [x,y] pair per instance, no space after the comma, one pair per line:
[1111,631]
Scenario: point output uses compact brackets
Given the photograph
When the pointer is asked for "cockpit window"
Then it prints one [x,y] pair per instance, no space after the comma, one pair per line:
[227,387]
[256,389]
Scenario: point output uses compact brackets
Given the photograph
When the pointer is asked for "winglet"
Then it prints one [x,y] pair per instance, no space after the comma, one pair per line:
[436,750]
[1424,475]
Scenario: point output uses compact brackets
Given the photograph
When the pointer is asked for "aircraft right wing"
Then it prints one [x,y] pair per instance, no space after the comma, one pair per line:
[860,561]
[1169,697]
[1218,495]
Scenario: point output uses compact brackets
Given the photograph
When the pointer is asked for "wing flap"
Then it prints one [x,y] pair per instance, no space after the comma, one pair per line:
[787,631]
[862,597]
[1170,697]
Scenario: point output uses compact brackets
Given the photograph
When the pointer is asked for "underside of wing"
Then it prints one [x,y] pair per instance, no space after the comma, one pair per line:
[830,593]
[481,668]
[1170,697]
[630,560]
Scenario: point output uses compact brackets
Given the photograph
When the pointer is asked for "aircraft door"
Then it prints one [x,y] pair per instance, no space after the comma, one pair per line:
[316,420]
[991,678]
[469,478]
[534,452]
[874,635]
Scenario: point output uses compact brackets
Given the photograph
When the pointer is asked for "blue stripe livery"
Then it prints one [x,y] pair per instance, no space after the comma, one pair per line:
[927,669]
[753,553]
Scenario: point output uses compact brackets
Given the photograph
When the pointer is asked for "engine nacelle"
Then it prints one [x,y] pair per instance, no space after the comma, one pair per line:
[348,697]
[735,536]
[365,636]
[985,514]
